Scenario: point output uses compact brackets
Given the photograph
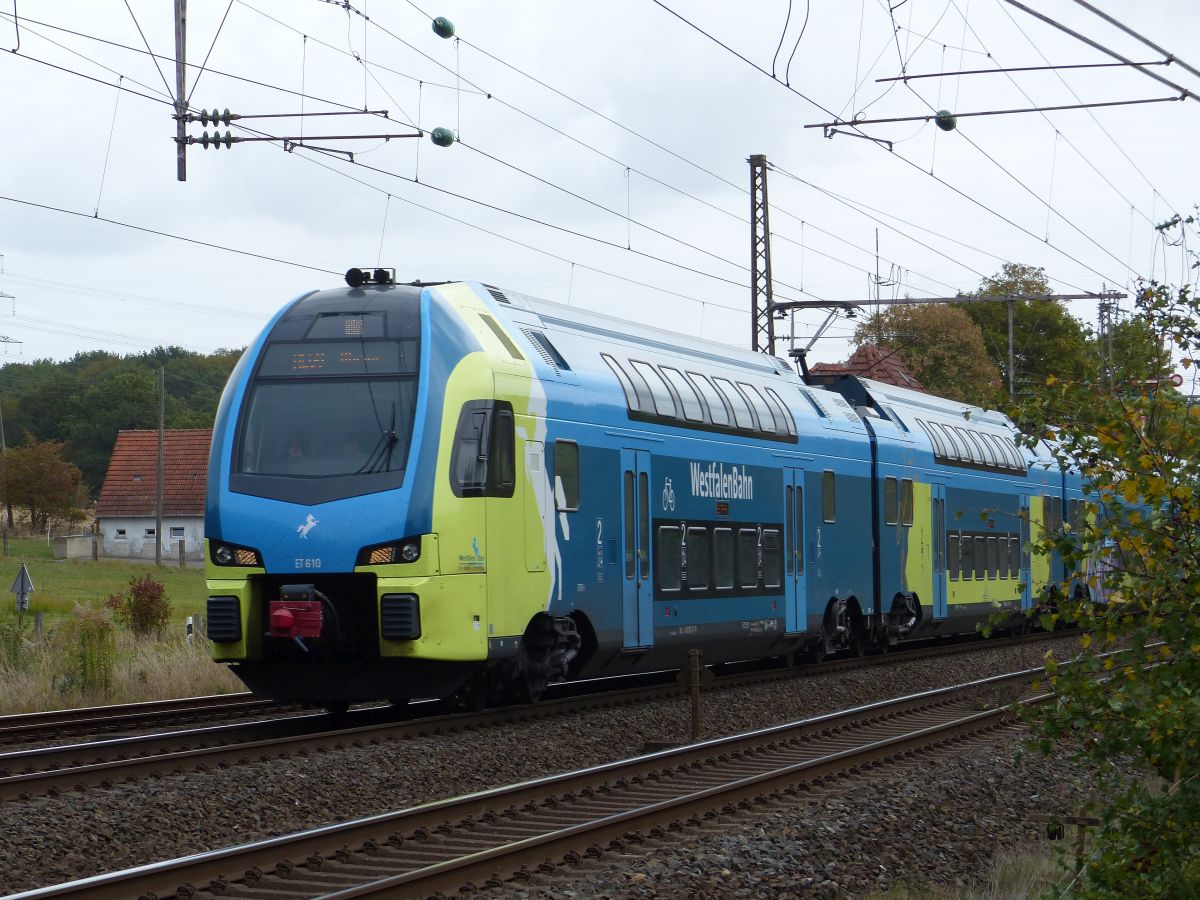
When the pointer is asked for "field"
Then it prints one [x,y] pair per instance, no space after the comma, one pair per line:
[83,658]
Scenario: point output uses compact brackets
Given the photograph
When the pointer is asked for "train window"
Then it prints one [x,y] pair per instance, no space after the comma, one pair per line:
[630,533]
[697,559]
[566,476]
[1018,458]
[783,416]
[935,438]
[693,409]
[741,409]
[747,557]
[668,558]
[997,450]
[799,535]
[891,502]
[952,554]
[989,452]
[1053,516]
[644,524]
[974,454]
[954,449]
[906,501]
[723,558]
[1014,556]
[772,558]
[468,465]
[829,497]
[790,516]
[967,556]
[717,413]
[502,469]
[766,420]
[980,558]
[993,558]
[660,394]
[631,398]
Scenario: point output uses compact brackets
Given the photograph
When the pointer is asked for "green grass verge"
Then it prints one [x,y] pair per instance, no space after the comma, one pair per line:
[59,584]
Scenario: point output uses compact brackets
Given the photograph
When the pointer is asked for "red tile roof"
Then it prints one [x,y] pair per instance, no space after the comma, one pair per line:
[132,480]
[868,361]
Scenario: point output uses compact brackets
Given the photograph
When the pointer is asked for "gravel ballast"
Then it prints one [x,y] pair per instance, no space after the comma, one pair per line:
[53,839]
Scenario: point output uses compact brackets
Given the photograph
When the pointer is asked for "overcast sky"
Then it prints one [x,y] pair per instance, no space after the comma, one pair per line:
[602,158]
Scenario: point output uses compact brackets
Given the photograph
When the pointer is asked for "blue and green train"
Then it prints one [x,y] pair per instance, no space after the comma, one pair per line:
[438,490]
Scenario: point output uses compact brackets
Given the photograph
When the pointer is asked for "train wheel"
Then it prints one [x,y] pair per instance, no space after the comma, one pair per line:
[859,643]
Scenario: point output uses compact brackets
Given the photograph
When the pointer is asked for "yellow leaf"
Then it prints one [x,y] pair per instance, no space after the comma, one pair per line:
[1085,641]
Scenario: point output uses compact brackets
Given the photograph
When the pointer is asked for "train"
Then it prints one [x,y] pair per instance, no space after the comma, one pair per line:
[449,490]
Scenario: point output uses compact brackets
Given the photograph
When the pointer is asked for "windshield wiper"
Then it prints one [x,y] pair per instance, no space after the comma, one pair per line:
[380,459]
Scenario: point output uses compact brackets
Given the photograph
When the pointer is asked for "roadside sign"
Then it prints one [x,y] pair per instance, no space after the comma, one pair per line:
[23,587]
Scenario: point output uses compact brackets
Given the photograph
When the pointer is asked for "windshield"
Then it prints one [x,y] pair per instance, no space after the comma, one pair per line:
[328,428]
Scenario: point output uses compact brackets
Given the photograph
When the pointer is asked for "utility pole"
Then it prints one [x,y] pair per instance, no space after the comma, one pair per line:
[180,95]
[1107,314]
[1012,364]
[762,328]
[158,500]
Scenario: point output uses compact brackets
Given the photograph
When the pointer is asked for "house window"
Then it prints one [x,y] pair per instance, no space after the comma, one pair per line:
[149,532]
[120,534]
[176,532]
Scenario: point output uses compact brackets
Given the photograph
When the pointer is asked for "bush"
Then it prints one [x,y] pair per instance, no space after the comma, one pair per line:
[12,643]
[143,608]
[86,654]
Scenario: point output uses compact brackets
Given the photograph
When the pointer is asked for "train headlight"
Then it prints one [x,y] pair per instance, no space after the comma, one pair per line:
[406,551]
[233,555]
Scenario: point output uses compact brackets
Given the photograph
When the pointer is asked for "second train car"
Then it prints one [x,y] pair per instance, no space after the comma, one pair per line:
[437,490]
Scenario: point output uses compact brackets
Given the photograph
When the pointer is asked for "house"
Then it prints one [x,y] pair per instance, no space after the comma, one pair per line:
[868,361]
[125,510]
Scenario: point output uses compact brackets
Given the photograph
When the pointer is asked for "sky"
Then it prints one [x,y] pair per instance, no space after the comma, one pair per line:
[601,158]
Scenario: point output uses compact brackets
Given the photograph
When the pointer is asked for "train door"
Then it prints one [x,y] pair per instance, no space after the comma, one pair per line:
[637,606]
[938,518]
[795,599]
[1026,569]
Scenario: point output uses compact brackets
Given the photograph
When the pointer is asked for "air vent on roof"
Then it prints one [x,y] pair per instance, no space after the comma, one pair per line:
[496,293]
[546,350]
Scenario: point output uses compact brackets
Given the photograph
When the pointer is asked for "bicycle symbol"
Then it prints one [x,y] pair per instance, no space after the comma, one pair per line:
[668,496]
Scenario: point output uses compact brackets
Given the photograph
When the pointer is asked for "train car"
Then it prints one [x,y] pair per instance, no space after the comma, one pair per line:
[449,490]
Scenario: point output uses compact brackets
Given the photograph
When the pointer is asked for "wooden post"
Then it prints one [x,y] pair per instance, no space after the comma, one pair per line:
[39,624]
[181,553]
[6,543]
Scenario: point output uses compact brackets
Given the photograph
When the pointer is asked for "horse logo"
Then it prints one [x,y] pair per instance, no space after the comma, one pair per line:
[309,524]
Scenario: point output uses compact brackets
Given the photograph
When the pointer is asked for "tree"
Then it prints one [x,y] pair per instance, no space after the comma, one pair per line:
[1138,354]
[940,345]
[37,479]
[1047,340]
[1139,451]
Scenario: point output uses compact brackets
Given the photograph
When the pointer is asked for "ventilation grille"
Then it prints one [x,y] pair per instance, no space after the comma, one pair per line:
[224,620]
[497,294]
[400,617]
[548,352]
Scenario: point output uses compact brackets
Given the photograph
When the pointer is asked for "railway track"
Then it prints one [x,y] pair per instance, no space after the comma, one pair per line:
[29,773]
[481,839]
[60,723]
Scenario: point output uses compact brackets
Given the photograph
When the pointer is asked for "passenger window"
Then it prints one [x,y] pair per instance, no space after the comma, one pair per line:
[631,397]
[993,558]
[956,450]
[717,413]
[723,558]
[469,459]
[989,452]
[502,469]
[669,558]
[799,531]
[747,557]
[772,558]
[952,555]
[644,524]
[766,421]
[697,559]
[741,409]
[828,497]
[783,415]
[482,461]
[973,452]
[1014,557]
[980,558]
[693,410]
[664,403]
[566,476]
[906,501]
[968,557]
[630,527]
[891,502]
[939,445]
[790,516]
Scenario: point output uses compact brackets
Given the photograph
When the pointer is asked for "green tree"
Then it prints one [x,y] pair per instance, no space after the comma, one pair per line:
[1047,340]
[1137,353]
[940,345]
[1139,451]
[36,479]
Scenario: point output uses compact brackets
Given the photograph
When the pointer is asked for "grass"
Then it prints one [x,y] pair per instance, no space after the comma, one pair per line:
[60,584]
[1015,875]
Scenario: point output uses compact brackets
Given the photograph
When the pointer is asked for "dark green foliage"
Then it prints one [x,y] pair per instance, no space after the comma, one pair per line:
[86,653]
[143,607]
[86,400]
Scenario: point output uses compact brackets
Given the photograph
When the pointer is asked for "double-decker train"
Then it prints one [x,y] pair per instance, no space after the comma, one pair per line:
[449,490]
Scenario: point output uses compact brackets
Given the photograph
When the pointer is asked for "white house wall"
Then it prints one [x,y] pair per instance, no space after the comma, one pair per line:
[136,544]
